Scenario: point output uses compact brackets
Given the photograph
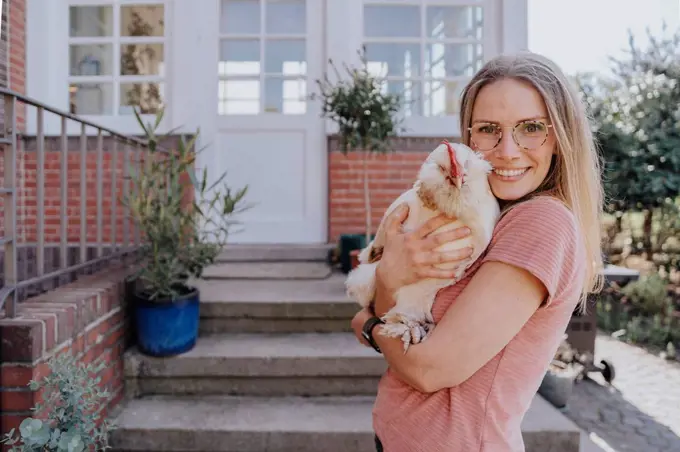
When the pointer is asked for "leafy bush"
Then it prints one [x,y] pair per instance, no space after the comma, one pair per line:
[73,397]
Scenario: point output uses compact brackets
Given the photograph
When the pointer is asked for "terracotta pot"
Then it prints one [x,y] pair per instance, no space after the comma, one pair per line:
[354,258]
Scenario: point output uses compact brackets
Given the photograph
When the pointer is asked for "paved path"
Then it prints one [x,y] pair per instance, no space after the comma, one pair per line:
[641,412]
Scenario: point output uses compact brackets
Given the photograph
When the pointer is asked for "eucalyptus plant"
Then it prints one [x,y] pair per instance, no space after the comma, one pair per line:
[365,113]
[185,221]
[72,400]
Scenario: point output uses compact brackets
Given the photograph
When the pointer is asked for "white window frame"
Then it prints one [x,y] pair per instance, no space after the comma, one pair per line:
[505,30]
[47,49]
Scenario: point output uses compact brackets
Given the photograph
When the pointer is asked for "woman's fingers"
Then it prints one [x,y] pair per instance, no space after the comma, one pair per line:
[430,258]
[431,225]
[440,238]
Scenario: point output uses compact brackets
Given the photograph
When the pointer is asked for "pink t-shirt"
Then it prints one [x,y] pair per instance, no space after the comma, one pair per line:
[483,414]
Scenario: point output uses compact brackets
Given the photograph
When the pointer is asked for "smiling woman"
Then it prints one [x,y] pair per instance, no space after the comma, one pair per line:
[467,386]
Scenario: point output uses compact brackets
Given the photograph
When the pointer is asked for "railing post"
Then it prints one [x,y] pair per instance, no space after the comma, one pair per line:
[10,205]
[100,191]
[114,193]
[63,213]
[83,194]
[40,185]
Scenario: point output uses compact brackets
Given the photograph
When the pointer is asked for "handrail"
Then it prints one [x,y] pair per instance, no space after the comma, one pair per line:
[10,138]
[65,114]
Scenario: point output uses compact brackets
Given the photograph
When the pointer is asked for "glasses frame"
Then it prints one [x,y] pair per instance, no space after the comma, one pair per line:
[514,138]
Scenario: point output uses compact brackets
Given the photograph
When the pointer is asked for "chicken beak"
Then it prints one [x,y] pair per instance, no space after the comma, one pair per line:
[458,181]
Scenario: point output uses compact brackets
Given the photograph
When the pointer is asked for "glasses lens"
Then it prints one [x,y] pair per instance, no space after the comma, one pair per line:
[531,134]
[485,136]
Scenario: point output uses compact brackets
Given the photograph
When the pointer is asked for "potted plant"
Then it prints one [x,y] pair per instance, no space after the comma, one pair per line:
[366,116]
[70,398]
[184,224]
[562,373]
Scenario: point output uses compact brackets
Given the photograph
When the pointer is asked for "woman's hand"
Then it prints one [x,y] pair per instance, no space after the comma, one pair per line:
[411,256]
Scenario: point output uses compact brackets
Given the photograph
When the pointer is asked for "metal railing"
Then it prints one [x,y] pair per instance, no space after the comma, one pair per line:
[10,190]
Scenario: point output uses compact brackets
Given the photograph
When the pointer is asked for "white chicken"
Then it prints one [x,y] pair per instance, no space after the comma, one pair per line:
[453,181]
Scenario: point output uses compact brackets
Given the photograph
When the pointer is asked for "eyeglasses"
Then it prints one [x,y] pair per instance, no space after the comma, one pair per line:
[528,135]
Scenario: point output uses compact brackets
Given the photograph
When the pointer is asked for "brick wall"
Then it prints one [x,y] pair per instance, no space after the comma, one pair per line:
[86,318]
[390,175]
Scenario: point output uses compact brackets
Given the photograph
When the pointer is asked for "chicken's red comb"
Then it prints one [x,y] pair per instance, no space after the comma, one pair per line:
[456,170]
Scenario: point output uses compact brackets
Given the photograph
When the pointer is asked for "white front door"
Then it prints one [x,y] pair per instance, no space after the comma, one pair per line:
[267,136]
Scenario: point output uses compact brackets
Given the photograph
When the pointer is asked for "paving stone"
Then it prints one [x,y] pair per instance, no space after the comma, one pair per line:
[640,411]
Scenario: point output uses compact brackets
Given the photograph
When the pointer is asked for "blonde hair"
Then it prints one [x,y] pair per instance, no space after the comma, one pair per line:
[575,174]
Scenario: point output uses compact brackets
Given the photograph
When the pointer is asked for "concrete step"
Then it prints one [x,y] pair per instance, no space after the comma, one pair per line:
[288,424]
[275,253]
[275,306]
[268,270]
[260,364]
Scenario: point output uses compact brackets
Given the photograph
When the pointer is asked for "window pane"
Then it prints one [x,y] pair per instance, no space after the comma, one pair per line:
[90,21]
[240,57]
[91,59]
[147,96]
[402,60]
[391,21]
[285,96]
[285,57]
[91,98]
[442,97]
[286,17]
[240,16]
[142,59]
[454,22]
[409,92]
[453,60]
[142,20]
[238,97]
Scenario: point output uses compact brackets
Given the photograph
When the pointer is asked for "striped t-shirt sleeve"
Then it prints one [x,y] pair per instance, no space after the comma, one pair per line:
[540,236]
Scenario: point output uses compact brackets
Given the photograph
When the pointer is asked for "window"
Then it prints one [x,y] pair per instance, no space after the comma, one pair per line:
[426,52]
[263,59]
[117,57]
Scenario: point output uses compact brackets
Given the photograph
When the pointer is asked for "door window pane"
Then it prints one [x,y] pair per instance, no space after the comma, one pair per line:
[285,57]
[142,59]
[147,96]
[142,20]
[240,16]
[239,57]
[91,59]
[453,60]
[238,97]
[392,21]
[400,60]
[285,96]
[91,98]
[286,17]
[90,21]
[442,97]
[444,22]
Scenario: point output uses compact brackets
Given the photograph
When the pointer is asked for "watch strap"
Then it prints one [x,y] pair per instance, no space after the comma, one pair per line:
[367,331]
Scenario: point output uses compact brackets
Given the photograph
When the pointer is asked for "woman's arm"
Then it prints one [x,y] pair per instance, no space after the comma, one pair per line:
[497,302]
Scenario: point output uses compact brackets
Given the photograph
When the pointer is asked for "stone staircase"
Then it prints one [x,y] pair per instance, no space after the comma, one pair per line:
[276,368]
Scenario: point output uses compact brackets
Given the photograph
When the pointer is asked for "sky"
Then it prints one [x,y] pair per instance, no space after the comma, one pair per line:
[579,34]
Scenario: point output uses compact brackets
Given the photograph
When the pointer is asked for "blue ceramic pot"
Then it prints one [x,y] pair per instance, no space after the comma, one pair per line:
[167,327]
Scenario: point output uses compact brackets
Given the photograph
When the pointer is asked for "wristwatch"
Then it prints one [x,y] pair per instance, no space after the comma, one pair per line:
[367,331]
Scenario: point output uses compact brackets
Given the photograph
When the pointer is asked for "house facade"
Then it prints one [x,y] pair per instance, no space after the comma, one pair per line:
[240,71]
